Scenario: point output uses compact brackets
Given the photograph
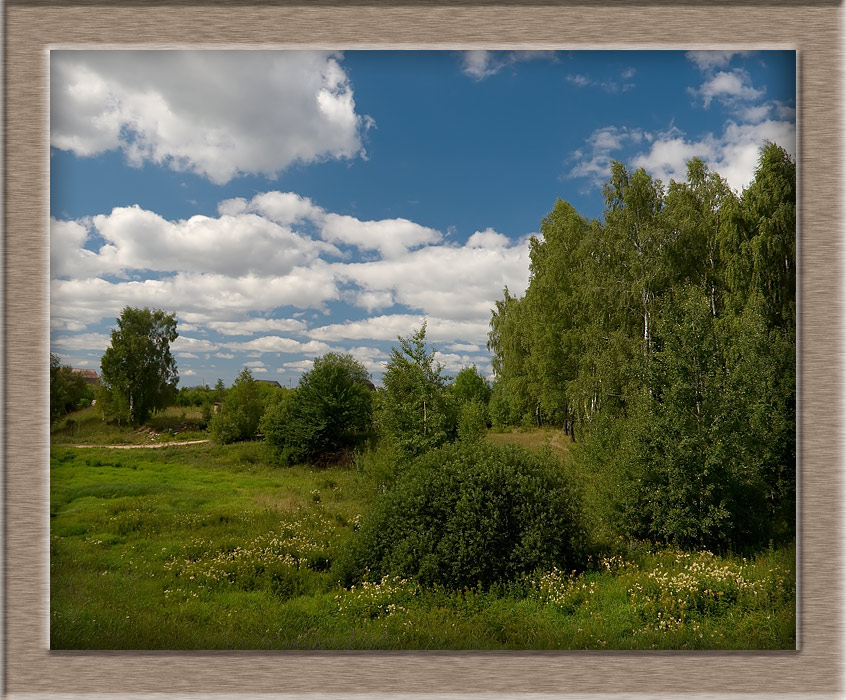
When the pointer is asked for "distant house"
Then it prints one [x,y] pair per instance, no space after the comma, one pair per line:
[272,382]
[89,375]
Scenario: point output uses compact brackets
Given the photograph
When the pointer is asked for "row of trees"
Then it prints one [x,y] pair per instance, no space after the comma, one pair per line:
[665,333]
[335,407]
[68,389]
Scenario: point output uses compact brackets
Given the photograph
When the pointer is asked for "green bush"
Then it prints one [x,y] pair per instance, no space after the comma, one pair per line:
[470,514]
[328,414]
[472,421]
[240,412]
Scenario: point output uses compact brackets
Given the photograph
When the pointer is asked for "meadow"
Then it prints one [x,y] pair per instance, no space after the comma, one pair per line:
[211,547]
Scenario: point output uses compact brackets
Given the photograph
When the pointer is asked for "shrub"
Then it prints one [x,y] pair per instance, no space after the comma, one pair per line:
[327,415]
[240,413]
[469,514]
[472,421]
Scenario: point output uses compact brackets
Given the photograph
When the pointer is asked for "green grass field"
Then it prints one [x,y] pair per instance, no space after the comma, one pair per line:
[209,547]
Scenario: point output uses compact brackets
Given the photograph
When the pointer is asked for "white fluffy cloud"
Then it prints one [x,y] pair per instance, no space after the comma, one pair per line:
[137,239]
[729,87]
[218,114]
[734,154]
[594,162]
[196,298]
[235,274]
[391,237]
[444,281]
[391,326]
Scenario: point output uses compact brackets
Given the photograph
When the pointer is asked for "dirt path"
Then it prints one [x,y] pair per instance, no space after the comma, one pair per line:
[146,446]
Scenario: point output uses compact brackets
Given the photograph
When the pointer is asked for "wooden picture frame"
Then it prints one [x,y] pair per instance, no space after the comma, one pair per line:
[33,27]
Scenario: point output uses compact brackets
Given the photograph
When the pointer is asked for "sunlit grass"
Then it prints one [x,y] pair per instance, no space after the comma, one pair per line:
[210,547]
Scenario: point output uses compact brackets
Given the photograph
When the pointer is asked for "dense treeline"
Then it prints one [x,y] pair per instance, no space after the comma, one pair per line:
[68,389]
[664,336]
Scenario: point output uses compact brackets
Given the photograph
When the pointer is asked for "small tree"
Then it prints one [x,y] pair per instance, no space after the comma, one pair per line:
[470,385]
[138,370]
[329,412]
[472,421]
[241,411]
[417,411]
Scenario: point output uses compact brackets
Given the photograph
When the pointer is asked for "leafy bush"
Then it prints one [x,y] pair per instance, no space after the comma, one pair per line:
[470,385]
[328,414]
[468,514]
[472,421]
[240,413]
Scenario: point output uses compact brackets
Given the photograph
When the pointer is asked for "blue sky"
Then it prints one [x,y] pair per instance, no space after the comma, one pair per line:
[289,204]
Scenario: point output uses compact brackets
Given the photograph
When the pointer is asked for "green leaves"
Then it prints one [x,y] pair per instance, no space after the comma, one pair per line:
[417,411]
[668,331]
[138,370]
[472,513]
[328,413]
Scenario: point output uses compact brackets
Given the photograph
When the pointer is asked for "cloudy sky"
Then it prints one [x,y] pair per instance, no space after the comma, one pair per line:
[289,204]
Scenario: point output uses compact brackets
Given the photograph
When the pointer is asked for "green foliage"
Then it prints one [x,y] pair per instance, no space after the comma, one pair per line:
[195,396]
[666,333]
[472,421]
[416,410]
[138,369]
[328,414]
[239,415]
[68,390]
[470,385]
[210,547]
[468,514]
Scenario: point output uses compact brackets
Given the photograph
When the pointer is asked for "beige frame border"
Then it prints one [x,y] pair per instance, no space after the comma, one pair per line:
[31,26]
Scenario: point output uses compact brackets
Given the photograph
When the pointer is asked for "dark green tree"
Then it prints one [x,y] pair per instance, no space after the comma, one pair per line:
[328,414]
[138,370]
[471,513]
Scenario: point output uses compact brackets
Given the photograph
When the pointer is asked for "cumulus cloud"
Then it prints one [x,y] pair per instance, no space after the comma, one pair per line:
[234,280]
[196,298]
[483,64]
[391,326]
[138,239]
[256,325]
[275,343]
[218,114]
[426,279]
[728,87]
[734,154]
[82,341]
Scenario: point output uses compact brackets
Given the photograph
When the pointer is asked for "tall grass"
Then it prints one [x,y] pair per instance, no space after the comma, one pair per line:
[208,547]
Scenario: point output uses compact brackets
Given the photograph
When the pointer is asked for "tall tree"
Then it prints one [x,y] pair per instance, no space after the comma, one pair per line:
[138,370]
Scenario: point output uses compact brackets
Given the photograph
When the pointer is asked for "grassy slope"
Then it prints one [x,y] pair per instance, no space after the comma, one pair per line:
[208,547]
